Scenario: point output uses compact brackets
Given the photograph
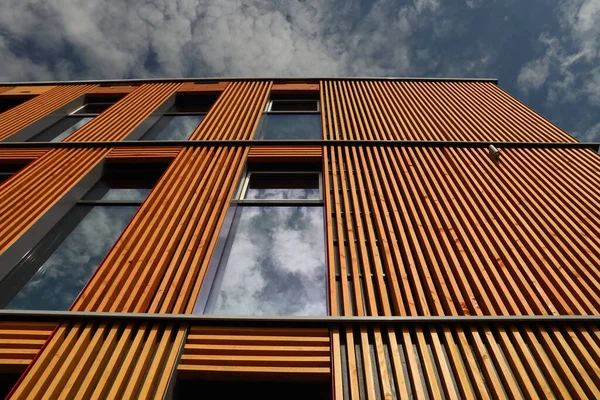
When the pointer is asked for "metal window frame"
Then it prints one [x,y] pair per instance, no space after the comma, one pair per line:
[211,283]
[246,182]
[269,106]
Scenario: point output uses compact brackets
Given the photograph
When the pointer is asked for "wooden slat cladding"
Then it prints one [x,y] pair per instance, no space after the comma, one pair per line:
[26,90]
[5,88]
[256,353]
[112,90]
[447,231]
[205,88]
[283,154]
[467,361]
[143,154]
[33,190]
[124,116]
[409,110]
[156,266]
[21,155]
[19,117]
[234,115]
[299,88]
[20,342]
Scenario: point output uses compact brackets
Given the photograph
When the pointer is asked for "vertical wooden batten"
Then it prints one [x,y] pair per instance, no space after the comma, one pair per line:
[157,265]
[19,117]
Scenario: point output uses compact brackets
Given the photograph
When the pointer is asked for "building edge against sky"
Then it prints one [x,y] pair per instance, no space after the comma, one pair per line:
[346,238]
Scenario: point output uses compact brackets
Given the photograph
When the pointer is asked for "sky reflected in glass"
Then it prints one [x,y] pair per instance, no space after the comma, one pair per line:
[126,194]
[276,265]
[72,129]
[62,276]
[178,127]
[286,186]
[291,126]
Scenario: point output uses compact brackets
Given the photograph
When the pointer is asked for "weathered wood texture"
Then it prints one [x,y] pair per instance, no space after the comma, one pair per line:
[405,110]
[256,354]
[156,266]
[17,118]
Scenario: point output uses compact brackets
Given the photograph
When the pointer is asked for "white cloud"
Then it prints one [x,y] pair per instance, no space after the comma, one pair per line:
[95,39]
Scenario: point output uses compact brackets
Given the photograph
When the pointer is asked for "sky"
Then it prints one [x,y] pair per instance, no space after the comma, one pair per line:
[545,53]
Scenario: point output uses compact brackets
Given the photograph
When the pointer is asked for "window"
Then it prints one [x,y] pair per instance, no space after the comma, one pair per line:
[181,119]
[11,101]
[272,261]
[53,273]
[291,118]
[8,170]
[60,130]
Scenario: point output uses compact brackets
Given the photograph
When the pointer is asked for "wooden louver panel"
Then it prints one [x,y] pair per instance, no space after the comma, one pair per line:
[156,266]
[250,353]
[235,113]
[125,115]
[26,90]
[469,361]
[19,117]
[284,154]
[191,87]
[21,155]
[143,154]
[20,342]
[409,110]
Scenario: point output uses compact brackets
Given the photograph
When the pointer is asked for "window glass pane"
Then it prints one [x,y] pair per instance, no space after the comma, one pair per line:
[275,266]
[63,274]
[61,129]
[191,103]
[73,128]
[264,186]
[93,108]
[291,126]
[294,105]
[178,127]
[126,194]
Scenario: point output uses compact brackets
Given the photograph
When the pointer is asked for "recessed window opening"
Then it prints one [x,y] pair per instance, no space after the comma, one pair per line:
[8,102]
[272,253]
[8,170]
[288,117]
[52,274]
[182,118]
[59,131]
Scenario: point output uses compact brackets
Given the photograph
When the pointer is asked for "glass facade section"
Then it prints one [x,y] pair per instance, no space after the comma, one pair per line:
[173,127]
[65,271]
[59,131]
[275,264]
[290,127]
[284,186]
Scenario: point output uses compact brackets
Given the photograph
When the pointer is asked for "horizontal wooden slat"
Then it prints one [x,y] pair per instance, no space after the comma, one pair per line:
[112,90]
[290,88]
[206,88]
[144,154]
[250,349]
[20,342]
[21,155]
[283,154]
[26,90]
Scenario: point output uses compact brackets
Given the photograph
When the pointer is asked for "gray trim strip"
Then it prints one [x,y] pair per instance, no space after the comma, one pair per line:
[73,316]
[408,143]
[225,79]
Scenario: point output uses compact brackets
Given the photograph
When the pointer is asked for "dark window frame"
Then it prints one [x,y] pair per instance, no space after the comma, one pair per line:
[206,299]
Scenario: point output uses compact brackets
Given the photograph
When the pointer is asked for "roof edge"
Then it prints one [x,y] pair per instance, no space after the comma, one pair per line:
[167,80]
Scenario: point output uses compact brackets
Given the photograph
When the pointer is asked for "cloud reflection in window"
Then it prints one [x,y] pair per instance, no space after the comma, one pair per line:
[276,265]
[62,276]
[178,127]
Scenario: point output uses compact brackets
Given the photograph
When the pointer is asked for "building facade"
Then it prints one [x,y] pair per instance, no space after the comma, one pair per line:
[326,238]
